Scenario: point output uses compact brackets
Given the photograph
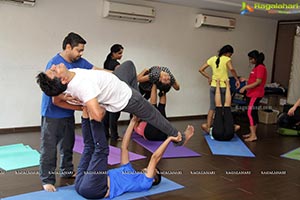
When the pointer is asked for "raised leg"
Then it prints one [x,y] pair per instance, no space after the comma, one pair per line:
[218,95]
[227,95]
[153,96]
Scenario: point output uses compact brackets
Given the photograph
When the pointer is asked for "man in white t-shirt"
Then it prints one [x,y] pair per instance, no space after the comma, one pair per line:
[117,91]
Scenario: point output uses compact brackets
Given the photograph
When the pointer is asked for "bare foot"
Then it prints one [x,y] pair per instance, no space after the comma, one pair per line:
[204,128]
[236,127]
[251,139]
[49,188]
[189,132]
[247,135]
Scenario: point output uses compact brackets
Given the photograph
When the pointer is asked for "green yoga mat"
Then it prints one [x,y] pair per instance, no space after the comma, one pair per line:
[287,131]
[18,156]
[294,154]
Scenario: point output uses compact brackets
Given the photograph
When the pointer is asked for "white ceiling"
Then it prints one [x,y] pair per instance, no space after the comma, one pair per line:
[234,6]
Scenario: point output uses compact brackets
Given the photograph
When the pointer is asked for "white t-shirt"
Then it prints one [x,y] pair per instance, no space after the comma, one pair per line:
[111,92]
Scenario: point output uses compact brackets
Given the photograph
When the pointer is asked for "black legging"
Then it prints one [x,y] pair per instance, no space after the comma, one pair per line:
[152,133]
[223,126]
[146,94]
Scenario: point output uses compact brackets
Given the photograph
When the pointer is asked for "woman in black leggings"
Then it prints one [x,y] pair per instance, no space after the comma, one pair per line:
[150,132]
[223,128]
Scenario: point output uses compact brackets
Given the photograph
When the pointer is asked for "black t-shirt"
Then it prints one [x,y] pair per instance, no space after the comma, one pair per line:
[112,65]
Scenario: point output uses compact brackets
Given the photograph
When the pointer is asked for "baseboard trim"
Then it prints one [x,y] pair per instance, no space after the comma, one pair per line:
[123,122]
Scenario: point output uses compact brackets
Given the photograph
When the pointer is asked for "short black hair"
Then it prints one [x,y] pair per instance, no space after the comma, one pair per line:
[73,39]
[51,87]
[157,177]
[253,54]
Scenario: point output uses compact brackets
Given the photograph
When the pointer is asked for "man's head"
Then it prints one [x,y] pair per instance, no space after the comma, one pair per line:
[156,177]
[73,45]
[53,81]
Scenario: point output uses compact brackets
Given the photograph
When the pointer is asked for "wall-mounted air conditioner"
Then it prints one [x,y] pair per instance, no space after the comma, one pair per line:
[128,12]
[214,21]
[25,2]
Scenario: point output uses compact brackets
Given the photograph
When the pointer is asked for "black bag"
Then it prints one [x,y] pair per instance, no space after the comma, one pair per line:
[286,121]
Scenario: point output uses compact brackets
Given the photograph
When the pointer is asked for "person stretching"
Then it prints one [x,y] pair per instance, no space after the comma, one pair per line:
[94,180]
[223,128]
[110,90]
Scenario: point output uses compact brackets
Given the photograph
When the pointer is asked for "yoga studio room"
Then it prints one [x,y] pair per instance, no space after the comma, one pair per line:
[150,99]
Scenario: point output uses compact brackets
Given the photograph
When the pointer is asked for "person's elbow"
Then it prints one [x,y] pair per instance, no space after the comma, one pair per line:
[124,148]
[176,87]
[155,157]
[258,81]
[232,71]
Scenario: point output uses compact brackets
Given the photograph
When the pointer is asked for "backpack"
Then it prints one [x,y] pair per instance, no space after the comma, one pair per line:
[289,122]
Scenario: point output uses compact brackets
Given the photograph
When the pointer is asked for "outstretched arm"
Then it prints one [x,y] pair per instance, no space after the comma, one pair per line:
[61,101]
[157,155]
[176,85]
[126,140]
[143,76]
[252,85]
[292,109]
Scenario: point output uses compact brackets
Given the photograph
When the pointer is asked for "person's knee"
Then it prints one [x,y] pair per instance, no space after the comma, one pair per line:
[48,155]
[129,64]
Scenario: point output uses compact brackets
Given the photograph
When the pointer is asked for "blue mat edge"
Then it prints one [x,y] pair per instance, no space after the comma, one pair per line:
[175,186]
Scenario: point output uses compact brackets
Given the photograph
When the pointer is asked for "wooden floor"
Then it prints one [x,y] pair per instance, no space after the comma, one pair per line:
[213,181]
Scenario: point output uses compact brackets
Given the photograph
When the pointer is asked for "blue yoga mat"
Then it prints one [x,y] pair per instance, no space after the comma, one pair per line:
[69,192]
[234,147]
[18,156]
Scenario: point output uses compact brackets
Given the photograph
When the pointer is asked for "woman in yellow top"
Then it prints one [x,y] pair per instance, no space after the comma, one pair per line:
[220,65]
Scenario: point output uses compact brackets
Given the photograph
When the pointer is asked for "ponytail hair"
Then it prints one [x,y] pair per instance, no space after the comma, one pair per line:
[113,49]
[225,49]
[259,57]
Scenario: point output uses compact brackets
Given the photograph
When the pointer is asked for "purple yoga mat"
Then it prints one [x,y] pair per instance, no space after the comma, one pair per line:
[171,151]
[114,152]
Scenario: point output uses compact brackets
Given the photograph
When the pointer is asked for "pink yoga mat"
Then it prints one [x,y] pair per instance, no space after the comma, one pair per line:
[114,152]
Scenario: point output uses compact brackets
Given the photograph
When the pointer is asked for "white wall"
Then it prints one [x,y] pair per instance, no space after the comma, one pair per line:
[30,36]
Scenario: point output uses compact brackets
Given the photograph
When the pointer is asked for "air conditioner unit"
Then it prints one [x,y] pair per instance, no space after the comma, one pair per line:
[128,12]
[25,2]
[214,21]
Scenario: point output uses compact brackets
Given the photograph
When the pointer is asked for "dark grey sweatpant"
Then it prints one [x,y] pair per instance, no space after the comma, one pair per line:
[139,106]
[56,132]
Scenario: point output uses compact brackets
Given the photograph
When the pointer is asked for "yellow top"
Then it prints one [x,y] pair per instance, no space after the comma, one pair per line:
[221,72]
